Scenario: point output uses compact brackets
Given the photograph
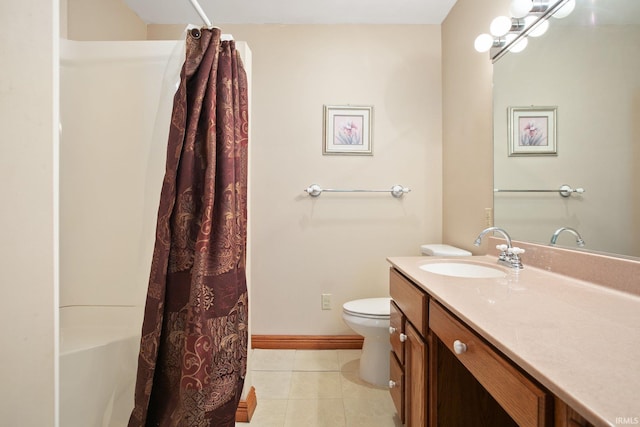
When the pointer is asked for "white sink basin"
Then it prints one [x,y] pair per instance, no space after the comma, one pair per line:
[463,269]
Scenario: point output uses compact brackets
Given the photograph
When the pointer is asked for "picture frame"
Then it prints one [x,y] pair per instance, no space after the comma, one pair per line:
[532,131]
[347,130]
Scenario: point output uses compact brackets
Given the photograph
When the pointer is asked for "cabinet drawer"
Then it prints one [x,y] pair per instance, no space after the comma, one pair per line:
[523,400]
[396,323]
[411,300]
[396,386]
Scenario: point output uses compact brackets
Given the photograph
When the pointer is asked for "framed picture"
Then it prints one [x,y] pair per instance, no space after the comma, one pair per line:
[532,131]
[347,130]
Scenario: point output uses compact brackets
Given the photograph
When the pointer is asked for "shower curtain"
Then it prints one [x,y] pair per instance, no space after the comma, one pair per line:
[193,349]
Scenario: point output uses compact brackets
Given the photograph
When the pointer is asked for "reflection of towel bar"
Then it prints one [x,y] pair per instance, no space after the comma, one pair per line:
[564,191]
[314,190]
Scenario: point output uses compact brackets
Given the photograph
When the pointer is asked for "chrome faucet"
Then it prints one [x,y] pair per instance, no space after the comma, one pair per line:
[509,255]
[556,233]
[499,230]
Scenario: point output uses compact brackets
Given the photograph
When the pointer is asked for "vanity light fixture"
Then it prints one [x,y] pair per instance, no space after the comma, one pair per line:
[519,46]
[500,26]
[528,18]
[565,10]
[484,42]
[539,29]
[520,8]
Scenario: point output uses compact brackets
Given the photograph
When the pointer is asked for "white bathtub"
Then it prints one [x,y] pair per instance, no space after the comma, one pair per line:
[98,362]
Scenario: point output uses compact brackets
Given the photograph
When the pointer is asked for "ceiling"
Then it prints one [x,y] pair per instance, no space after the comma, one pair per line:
[294,11]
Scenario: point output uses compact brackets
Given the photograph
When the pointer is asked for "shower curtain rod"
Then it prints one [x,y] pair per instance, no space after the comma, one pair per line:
[203,15]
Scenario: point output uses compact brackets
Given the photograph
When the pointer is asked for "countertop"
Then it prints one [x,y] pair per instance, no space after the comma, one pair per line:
[579,340]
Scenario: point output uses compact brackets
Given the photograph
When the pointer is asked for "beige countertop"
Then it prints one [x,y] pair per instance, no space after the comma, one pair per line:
[579,340]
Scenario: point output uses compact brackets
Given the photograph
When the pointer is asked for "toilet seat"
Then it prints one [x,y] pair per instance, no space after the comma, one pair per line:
[368,308]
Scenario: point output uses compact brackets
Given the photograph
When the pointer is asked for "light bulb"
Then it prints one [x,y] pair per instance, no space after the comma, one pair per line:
[500,26]
[483,43]
[565,10]
[540,29]
[520,46]
[520,8]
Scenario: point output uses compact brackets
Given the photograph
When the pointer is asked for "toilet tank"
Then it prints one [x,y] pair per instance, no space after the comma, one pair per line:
[434,249]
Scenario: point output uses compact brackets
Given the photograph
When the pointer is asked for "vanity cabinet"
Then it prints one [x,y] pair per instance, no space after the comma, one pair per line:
[443,374]
[409,350]
[525,403]
[396,371]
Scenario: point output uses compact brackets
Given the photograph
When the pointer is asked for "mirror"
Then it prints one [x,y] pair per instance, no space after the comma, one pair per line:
[577,89]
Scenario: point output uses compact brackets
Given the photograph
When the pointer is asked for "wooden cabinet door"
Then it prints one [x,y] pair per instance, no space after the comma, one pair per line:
[565,416]
[415,379]
[396,386]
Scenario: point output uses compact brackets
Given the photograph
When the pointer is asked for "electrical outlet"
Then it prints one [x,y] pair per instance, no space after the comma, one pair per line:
[488,217]
[326,301]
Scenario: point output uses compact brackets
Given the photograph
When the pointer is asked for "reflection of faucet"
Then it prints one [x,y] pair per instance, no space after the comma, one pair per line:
[509,255]
[579,240]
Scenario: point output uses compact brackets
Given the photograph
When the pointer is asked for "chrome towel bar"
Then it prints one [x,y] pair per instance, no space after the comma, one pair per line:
[314,190]
[564,191]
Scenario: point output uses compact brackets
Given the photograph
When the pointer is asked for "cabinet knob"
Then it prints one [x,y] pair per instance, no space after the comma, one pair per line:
[392,329]
[392,384]
[459,347]
[403,337]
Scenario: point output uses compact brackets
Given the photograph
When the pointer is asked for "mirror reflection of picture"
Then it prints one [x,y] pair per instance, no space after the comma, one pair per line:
[532,131]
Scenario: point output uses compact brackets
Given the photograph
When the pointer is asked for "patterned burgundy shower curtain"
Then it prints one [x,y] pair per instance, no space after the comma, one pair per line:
[193,350]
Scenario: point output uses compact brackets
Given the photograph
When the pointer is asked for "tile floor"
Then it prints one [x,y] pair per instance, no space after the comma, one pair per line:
[314,388]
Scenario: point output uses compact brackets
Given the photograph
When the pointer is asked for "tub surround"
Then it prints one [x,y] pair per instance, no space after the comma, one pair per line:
[98,359]
[577,338]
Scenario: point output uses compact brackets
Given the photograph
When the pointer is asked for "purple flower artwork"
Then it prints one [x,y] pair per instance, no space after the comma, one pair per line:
[533,131]
[347,130]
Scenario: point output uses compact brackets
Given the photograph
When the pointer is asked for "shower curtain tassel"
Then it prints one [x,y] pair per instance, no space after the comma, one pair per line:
[203,15]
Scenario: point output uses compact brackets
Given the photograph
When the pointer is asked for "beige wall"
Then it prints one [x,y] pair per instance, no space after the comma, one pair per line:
[28,109]
[333,244]
[467,124]
[102,20]
[337,244]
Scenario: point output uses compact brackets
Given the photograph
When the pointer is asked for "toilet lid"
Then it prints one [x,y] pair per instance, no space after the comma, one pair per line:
[368,307]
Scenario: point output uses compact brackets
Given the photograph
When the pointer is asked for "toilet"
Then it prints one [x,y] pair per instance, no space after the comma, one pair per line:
[369,317]
[443,250]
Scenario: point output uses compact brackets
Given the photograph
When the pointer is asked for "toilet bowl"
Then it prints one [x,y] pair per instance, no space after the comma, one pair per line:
[370,318]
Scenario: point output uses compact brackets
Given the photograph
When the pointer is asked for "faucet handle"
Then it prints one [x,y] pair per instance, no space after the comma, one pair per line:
[502,248]
[516,250]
